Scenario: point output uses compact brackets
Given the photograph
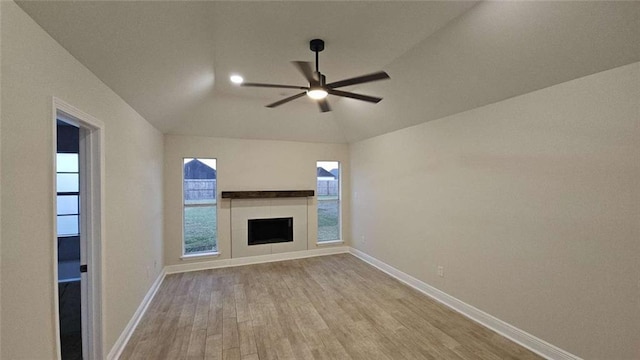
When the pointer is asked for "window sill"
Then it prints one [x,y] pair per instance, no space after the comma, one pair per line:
[331,242]
[199,256]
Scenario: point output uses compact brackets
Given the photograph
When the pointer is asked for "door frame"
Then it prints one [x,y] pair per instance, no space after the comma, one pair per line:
[91,220]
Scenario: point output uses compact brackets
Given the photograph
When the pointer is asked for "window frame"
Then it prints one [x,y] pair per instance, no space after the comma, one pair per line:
[216,249]
[339,240]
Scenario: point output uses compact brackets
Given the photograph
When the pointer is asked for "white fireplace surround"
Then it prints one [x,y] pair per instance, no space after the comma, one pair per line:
[244,209]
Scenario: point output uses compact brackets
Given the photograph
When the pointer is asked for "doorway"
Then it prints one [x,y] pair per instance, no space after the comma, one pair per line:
[71,245]
[78,218]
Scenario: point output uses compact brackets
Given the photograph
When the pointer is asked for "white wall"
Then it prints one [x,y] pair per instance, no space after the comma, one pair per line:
[246,165]
[531,205]
[34,70]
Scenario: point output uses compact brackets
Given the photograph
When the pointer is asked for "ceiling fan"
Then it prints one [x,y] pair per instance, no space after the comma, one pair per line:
[318,88]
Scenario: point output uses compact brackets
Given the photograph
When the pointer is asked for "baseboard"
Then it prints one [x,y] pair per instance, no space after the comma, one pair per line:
[222,263]
[122,341]
[521,337]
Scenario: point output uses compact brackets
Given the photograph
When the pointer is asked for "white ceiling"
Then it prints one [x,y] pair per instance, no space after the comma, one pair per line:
[171,60]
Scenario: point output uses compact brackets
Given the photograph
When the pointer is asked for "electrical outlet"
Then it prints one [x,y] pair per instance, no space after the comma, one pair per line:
[440,270]
[362,239]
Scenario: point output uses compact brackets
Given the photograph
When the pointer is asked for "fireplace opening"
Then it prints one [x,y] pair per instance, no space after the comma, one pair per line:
[270,231]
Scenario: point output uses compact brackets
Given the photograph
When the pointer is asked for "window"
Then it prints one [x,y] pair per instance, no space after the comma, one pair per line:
[328,195]
[200,211]
[68,190]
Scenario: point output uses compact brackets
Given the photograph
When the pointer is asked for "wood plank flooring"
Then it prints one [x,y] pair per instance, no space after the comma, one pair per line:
[328,307]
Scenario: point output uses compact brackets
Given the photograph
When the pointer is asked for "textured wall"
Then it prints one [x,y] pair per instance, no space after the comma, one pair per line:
[34,70]
[531,205]
[246,165]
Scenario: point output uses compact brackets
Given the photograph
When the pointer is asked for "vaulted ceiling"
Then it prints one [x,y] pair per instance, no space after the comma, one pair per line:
[171,60]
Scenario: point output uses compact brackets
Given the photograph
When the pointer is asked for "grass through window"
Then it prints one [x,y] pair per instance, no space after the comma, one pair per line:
[200,229]
[328,218]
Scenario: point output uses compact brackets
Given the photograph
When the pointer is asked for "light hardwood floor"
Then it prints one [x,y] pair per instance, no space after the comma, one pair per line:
[328,307]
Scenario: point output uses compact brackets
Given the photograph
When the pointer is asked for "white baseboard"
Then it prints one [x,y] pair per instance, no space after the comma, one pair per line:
[222,263]
[521,337]
[122,341]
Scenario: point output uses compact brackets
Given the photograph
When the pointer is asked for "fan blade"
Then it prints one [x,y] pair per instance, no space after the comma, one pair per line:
[324,105]
[275,86]
[306,68]
[286,100]
[368,98]
[380,75]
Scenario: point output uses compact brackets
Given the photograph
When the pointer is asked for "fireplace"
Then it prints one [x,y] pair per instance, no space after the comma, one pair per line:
[246,211]
[270,231]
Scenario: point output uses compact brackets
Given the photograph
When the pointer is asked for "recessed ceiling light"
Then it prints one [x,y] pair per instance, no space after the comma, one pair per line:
[236,79]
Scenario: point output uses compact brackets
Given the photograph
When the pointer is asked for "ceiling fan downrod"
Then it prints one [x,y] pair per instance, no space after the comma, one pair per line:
[317,45]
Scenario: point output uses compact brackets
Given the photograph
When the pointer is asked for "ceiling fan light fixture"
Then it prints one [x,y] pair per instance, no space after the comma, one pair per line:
[318,87]
[236,79]
[317,93]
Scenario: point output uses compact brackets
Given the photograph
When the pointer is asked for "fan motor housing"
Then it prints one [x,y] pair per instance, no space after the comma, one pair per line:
[316,45]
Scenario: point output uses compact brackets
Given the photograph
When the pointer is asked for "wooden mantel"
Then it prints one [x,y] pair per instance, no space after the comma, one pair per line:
[266,194]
